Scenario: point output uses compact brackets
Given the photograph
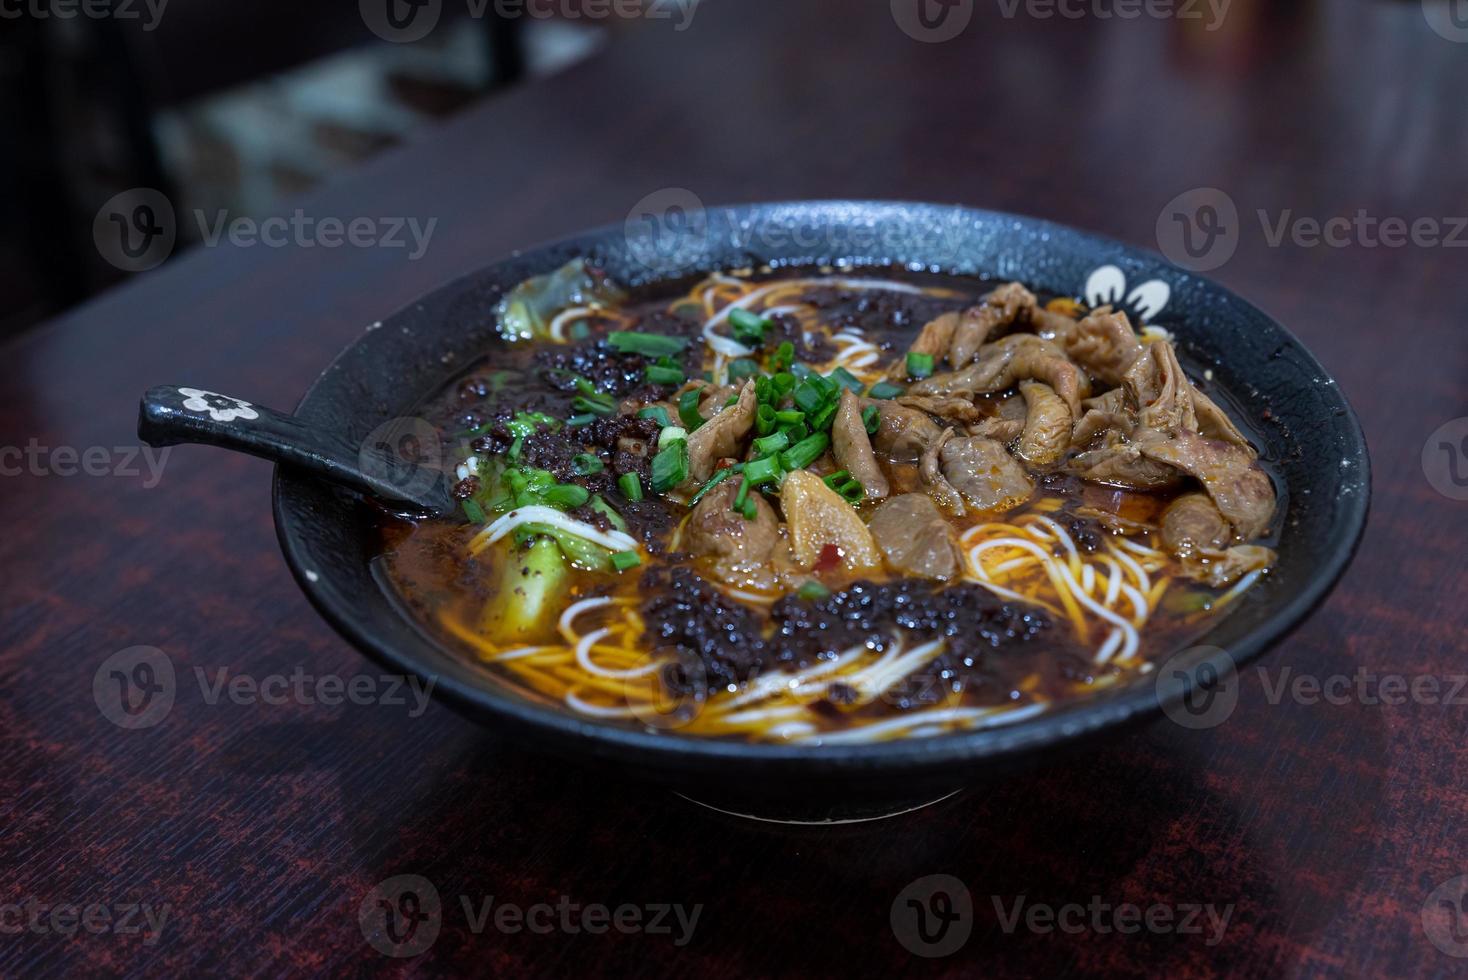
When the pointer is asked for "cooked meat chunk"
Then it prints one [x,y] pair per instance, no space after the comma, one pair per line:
[1160,391]
[720,436]
[953,408]
[853,448]
[1237,485]
[1104,344]
[1192,523]
[915,538]
[933,478]
[1215,424]
[736,549]
[1223,568]
[985,474]
[1005,362]
[934,339]
[1000,308]
[1121,464]
[1005,426]
[817,516]
[1105,414]
[902,433]
[1046,434]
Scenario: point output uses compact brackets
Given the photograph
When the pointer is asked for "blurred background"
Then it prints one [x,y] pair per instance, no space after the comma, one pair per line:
[218,107]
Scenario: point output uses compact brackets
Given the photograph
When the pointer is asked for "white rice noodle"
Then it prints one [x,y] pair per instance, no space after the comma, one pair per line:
[576,609]
[557,328]
[583,657]
[538,514]
[732,348]
[576,704]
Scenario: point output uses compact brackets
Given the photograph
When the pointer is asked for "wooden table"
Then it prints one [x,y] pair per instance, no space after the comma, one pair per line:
[1322,828]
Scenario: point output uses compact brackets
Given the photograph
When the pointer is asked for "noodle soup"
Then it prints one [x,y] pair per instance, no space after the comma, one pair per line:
[828,508]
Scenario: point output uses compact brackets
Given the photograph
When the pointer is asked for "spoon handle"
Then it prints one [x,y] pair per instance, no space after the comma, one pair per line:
[171,415]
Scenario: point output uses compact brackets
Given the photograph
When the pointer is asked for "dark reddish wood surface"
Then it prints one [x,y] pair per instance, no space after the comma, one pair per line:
[263,828]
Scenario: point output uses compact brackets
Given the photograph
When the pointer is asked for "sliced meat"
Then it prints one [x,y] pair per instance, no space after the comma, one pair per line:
[1005,426]
[1105,414]
[1000,308]
[1121,464]
[853,448]
[1053,326]
[1104,344]
[1192,523]
[1223,568]
[949,407]
[902,433]
[915,538]
[985,474]
[1046,434]
[1214,423]
[933,478]
[817,517]
[720,436]
[737,550]
[1005,362]
[934,339]
[1162,394]
[1232,478]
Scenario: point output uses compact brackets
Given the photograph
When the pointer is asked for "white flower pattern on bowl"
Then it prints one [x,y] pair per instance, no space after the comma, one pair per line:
[1107,286]
[221,408]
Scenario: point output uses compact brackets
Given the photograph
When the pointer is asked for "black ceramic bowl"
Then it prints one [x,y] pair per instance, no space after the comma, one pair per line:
[1304,424]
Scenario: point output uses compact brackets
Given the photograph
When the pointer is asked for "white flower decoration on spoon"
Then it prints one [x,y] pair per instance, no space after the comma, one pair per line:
[1107,285]
[221,408]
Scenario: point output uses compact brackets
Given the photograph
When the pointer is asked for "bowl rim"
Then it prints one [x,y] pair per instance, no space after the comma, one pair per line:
[472,692]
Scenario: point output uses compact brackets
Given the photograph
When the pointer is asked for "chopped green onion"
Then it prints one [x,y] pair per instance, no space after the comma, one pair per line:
[657,413]
[771,443]
[474,512]
[630,485]
[732,400]
[585,464]
[688,408]
[741,495]
[764,420]
[809,397]
[749,328]
[750,509]
[871,419]
[659,375]
[760,471]
[646,344]
[885,389]
[715,480]
[567,495]
[800,371]
[670,435]
[764,389]
[596,405]
[919,365]
[790,416]
[805,452]
[741,368]
[822,418]
[784,356]
[576,421]
[813,592]
[847,486]
[605,509]
[846,379]
[784,382]
[670,466]
[623,560]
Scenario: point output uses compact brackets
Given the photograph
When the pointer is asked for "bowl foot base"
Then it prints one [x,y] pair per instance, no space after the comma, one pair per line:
[814,815]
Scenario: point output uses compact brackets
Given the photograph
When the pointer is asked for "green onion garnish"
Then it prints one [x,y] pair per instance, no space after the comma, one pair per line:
[789,416]
[630,485]
[594,404]
[605,509]
[885,389]
[846,379]
[474,512]
[732,400]
[764,420]
[576,421]
[657,413]
[749,328]
[646,344]
[822,418]
[804,452]
[623,560]
[784,356]
[585,464]
[772,443]
[871,419]
[784,382]
[919,365]
[813,592]
[761,471]
[715,480]
[750,509]
[847,486]
[741,368]
[741,495]
[567,495]
[659,375]
[688,409]
[670,466]
[809,397]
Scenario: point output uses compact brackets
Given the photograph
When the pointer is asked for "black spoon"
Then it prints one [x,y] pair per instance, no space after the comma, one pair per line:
[380,466]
